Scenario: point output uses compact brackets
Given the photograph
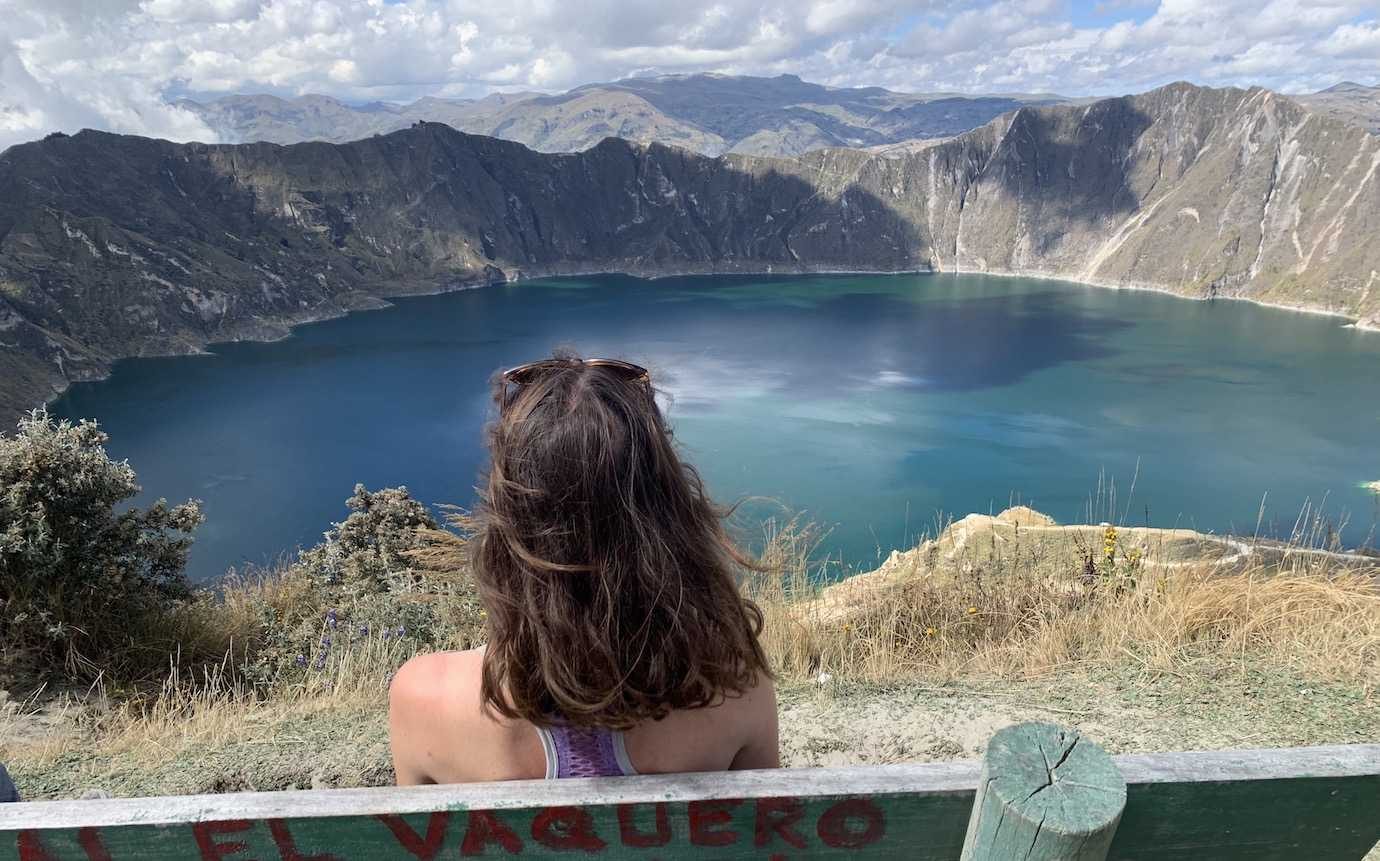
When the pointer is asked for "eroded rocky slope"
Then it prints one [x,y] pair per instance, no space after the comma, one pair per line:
[113,246]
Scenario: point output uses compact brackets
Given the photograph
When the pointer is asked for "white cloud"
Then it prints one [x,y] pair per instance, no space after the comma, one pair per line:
[1359,41]
[115,64]
[199,11]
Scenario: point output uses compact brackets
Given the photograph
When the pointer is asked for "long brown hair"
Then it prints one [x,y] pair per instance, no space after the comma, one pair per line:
[604,567]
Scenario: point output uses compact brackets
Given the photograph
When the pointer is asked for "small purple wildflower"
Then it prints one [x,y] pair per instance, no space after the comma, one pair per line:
[321,661]
[301,660]
[330,619]
[326,643]
[402,631]
[364,630]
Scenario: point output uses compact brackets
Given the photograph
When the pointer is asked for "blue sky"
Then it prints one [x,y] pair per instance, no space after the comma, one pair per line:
[67,64]
[1080,14]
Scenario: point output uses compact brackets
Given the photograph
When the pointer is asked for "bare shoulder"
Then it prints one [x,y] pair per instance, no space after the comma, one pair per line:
[738,731]
[761,744]
[758,703]
[440,732]
[436,685]
[430,701]
[751,703]
[746,711]
[763,693]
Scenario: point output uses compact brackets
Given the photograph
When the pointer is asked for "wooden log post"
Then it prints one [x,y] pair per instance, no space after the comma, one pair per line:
[1045,794]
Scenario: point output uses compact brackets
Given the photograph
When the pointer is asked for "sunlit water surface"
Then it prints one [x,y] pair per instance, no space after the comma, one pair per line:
[875,404]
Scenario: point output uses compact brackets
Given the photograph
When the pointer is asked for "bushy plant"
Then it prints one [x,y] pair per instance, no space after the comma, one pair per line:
[371,588]
[78,577]
[366,553]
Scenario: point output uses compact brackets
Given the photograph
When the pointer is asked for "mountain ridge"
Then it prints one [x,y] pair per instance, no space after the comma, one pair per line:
[709,113]
[114,246]
[1349,102]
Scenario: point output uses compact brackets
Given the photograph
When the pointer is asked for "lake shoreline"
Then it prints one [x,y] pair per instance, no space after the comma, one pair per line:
[1353,322]
[753,340]
[279,330]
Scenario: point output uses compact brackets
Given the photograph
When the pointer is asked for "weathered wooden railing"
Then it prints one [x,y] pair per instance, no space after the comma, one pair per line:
[1042,792]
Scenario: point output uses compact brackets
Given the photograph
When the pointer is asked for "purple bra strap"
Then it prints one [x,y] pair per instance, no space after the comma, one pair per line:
[583,752]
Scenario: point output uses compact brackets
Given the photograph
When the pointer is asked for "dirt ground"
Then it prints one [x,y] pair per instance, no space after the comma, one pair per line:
[1126,713]
[822,724]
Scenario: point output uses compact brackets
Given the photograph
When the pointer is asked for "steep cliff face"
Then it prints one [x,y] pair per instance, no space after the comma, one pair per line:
[1202,192]
[114,246]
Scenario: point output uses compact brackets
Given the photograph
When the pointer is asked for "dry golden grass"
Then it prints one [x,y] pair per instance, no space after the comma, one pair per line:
[204,702]
[209,711]
[988,600]
[1013,603]
[214,711]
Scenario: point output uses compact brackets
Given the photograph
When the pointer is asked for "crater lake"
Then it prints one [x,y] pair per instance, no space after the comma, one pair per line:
[874,405]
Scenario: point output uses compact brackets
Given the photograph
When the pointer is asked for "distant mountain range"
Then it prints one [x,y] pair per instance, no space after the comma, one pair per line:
[1348,102]
[710,114]
[117,246]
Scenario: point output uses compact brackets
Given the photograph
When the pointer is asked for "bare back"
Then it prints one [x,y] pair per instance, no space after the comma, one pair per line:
[440,733]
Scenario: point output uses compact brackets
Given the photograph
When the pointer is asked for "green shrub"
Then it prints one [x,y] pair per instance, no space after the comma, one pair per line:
[77,578]
[88,589]
[372,588]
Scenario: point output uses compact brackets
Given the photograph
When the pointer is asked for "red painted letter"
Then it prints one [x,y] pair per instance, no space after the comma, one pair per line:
[205,833]
[628,833]
[705,815]
[287,849]
[485,828]
[90,840]
[566,828]
[778,815]
[409,840]
[31,848]
[835,830]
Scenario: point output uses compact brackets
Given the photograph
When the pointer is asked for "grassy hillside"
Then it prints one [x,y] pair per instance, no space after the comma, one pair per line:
[1147,639]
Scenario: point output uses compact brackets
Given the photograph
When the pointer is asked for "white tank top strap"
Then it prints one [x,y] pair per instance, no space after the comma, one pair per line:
[548,748]
[620,751]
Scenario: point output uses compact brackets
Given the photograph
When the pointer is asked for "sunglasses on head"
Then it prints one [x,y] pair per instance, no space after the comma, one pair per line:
[524,374]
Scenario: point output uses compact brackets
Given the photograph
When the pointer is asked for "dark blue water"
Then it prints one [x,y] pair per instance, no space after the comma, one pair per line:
[873,403]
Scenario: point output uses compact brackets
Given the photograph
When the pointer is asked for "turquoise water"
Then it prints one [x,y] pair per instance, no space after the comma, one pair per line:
[875,404]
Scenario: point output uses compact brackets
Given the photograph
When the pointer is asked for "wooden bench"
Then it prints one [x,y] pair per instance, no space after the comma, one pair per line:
[1041,792]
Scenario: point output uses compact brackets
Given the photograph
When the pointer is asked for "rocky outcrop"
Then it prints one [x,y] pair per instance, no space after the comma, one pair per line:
[1023,542]
[114,246]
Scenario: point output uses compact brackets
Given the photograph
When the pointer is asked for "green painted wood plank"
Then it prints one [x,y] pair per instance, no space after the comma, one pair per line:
[877,826]
[1046,793]
[1292,803]
[1304,803]
[1309,819]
